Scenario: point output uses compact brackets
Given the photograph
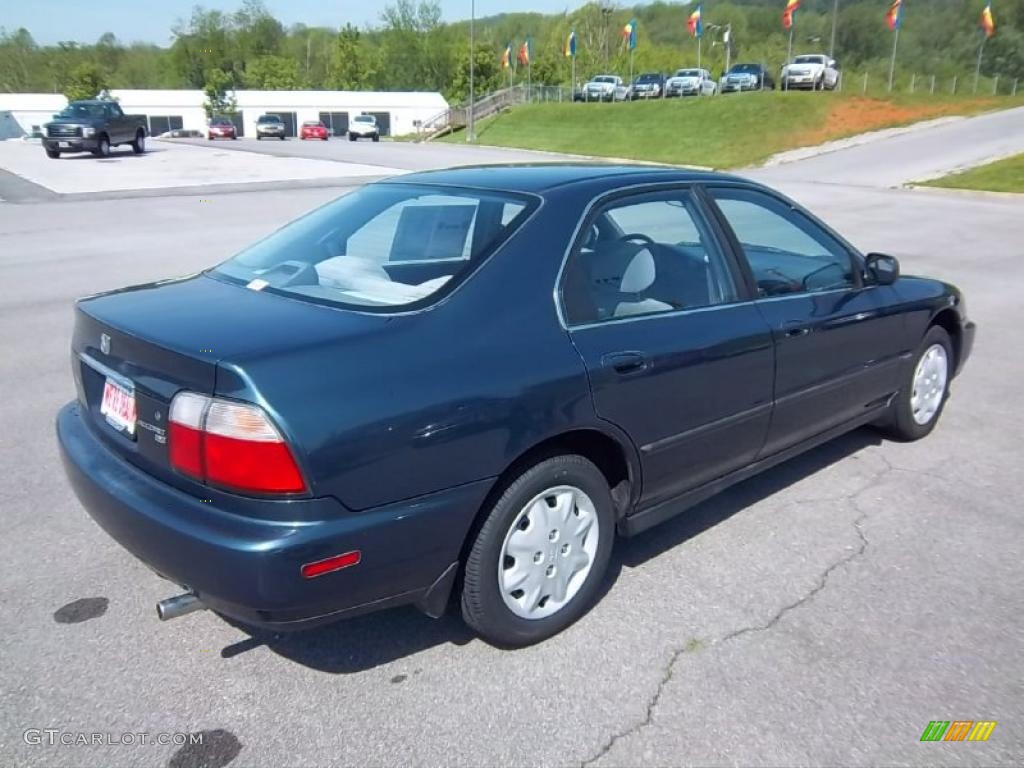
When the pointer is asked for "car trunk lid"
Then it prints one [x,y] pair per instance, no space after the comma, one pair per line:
[147,343]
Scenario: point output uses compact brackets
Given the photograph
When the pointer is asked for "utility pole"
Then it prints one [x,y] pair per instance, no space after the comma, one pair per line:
[471,123]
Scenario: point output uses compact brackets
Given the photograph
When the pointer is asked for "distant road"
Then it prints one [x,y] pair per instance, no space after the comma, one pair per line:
[408,156]
[913,156]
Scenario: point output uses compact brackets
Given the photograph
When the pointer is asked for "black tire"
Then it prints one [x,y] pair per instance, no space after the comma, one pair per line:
[351,137]
[258,137]
[483,606]
[139,145]
[900,422]
[53,154]
[819,84]
[282,138]
[102,147]
[376,138]
[209,138]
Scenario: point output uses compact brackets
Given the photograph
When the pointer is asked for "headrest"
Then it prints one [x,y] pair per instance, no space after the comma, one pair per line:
[639,274]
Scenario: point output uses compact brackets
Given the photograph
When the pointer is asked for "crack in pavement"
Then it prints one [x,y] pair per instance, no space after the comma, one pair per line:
[677,653]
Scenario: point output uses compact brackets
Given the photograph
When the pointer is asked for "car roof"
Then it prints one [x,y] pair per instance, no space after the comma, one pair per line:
[541,177]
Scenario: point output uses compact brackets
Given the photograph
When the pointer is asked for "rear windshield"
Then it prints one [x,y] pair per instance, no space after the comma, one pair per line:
[384,246]
[82,110]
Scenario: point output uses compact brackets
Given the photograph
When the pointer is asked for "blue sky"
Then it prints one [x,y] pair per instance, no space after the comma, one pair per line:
[151,20]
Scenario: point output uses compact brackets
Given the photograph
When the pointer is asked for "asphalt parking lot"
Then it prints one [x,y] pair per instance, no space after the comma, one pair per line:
[820,614]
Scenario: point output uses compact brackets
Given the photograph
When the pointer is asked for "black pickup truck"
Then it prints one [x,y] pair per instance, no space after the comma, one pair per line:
[93,126]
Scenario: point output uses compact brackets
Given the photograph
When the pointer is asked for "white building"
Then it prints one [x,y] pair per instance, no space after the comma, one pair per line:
[397,112]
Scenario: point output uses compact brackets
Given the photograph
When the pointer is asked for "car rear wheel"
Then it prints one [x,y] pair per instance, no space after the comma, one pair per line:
[376,137]
[917,407]
[139,145]
[538,561]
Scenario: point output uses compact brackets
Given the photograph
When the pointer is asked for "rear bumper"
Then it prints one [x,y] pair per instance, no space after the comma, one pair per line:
[248,569]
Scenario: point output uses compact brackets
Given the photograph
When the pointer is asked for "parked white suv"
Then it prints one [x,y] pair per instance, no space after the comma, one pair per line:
[814,71]
[363,127]
[604,88]
[691,82]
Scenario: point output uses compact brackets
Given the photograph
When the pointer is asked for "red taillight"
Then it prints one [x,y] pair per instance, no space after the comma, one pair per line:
[229,444]
[336,563]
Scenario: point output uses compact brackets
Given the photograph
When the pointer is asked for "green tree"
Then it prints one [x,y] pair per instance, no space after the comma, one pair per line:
[218,102]
[351,69]
[487,74]
[274,73]
[85,82]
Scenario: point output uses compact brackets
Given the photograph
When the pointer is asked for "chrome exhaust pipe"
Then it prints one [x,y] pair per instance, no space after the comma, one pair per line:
[179,605]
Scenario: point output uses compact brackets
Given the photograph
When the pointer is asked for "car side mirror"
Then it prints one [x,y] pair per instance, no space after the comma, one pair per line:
[883,268]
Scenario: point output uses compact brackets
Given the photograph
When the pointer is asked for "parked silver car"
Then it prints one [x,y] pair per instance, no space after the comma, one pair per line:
[691,82]
[814,71]
[270,127]
[604,88]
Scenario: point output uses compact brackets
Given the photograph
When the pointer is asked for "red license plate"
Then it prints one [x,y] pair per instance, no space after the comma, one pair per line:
[118,406]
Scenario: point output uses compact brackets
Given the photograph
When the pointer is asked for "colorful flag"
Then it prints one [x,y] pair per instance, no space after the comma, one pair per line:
[894,16]
[506,57]
[695,23]
[524,53]
[629,34]
[792,6]
[988,21]
[569,49]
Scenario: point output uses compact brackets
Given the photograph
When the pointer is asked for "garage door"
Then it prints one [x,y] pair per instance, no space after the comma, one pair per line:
[336,122]
[163,123]
[383,122]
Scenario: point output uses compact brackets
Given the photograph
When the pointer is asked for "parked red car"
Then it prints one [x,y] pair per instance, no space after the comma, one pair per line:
[221,128]
[313,130]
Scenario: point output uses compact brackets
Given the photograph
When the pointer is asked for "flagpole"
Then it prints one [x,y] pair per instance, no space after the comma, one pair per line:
[471,131]
[835,17]
[892,64]
[981,52]
[789,53]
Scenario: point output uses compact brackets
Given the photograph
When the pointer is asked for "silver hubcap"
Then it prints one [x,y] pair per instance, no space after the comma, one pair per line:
[548,552]
[929,384]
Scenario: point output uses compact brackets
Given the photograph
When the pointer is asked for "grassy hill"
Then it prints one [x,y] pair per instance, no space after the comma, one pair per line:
[721,132]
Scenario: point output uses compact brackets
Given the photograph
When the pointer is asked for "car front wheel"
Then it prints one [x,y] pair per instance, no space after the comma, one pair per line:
[102,147]
[917,407]
[537,563]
